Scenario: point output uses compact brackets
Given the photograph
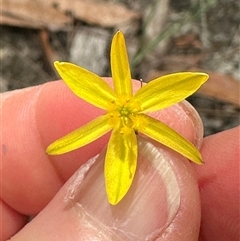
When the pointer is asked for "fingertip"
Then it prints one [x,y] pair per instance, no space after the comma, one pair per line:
[218,182]
[60,112]
[26,170]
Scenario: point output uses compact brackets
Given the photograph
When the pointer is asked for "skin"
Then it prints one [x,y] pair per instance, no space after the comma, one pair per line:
[34,117]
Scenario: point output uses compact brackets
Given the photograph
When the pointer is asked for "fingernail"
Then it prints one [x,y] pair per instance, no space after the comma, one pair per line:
[144,213]
[187,116]
[196,121]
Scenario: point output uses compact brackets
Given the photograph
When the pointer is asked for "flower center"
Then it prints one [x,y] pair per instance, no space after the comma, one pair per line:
[123,114]
[124,111]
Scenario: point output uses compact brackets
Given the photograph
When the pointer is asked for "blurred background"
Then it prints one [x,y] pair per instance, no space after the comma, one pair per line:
[163,36]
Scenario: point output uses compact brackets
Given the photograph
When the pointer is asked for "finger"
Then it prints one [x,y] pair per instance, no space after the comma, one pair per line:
[219,186]
[162,204]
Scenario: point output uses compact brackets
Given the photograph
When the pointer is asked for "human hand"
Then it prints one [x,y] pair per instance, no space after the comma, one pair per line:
[36,116]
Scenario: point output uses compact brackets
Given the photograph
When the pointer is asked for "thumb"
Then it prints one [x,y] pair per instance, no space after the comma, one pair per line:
[162,203]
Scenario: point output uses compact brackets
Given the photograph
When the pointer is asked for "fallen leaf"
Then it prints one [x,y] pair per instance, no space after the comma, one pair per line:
[106,14]
[32,14]
[188,41]
[51,14]
[221,87]
[177,62]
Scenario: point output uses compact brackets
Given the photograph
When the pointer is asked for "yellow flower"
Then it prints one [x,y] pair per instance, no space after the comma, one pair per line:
[125,115]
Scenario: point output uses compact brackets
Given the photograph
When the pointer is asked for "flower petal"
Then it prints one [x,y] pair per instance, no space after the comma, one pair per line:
[80,137]
[86,84]
[120,165]
[120,66]
[170,138]
[168,90]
